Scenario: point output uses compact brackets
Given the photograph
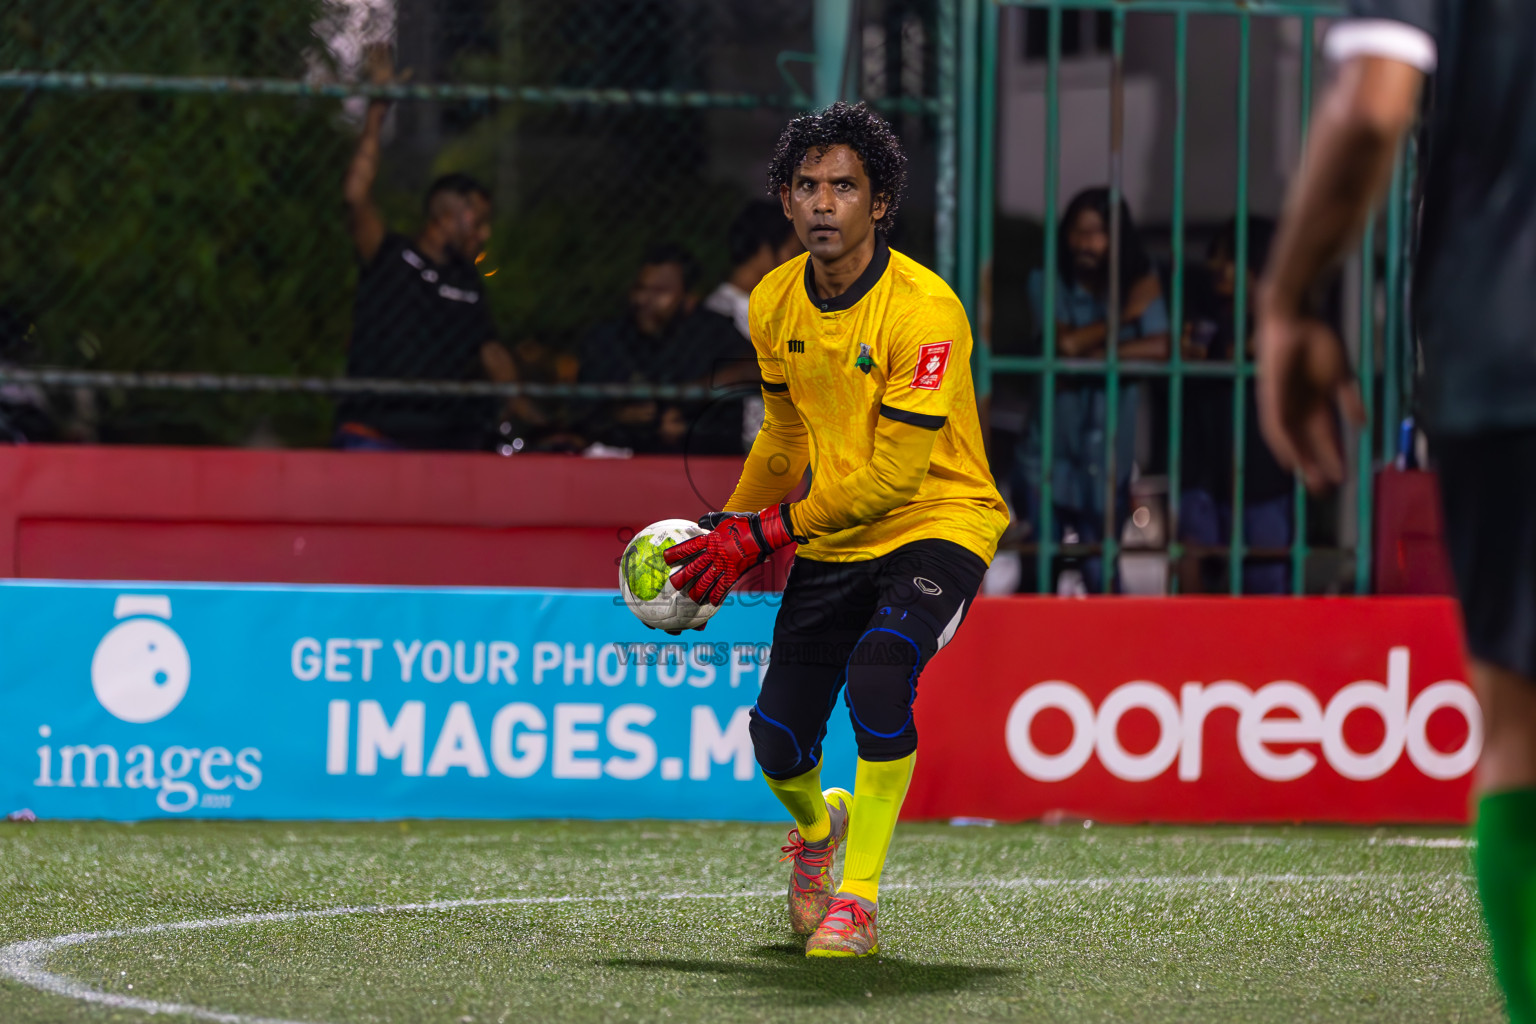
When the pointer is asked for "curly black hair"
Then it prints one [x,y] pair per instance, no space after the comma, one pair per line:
[860,129]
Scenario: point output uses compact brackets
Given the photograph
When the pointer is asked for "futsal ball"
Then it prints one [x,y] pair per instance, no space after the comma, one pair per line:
[644,578]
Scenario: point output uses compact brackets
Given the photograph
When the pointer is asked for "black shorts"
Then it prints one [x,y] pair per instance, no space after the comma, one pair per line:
[1488,492]
[869,626]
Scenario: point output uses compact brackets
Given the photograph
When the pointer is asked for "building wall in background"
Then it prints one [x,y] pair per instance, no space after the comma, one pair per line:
[1211,157]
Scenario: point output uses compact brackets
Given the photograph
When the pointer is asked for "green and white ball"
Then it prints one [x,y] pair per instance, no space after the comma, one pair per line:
[644,578]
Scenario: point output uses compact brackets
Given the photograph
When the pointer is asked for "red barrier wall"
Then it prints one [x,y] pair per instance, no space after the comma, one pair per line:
[69,512]
[1199,710]
[1186,709]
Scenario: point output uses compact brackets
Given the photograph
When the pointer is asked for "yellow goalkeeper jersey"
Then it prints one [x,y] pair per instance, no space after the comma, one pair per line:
[896,345]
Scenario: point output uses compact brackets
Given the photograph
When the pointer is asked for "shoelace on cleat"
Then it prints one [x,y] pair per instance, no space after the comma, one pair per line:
[844,928]
[801,855]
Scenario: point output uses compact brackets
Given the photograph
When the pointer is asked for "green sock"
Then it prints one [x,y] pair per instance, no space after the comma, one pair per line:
[1506,878]
[801,797]
[878,791]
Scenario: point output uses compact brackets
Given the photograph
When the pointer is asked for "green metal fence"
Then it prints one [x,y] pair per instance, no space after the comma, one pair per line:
[1385,382]
[171,219]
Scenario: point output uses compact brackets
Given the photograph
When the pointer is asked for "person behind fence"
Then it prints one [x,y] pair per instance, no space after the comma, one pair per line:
[1078,471]
[663,337]
[1205,503]
[420,310]
[759,239]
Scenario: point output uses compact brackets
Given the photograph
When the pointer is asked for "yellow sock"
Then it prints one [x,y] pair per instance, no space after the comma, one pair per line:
[801,797]
[878,791]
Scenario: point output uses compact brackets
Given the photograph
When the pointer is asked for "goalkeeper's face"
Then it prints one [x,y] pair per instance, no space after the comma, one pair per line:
[830,200]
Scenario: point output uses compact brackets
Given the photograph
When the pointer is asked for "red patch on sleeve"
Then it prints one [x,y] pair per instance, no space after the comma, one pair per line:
[932,361]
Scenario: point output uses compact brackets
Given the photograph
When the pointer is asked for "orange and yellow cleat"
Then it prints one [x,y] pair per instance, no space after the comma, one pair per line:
[847,930]
[810,876]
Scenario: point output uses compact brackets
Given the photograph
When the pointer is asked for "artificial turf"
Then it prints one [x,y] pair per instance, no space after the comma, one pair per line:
[684,922]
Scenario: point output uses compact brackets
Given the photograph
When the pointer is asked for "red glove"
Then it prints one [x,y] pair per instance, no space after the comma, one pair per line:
[711,564]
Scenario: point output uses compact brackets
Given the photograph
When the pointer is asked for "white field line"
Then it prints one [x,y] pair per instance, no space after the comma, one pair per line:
[23,961]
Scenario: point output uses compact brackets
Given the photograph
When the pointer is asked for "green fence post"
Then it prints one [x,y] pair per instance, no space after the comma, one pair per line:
[1407,353]
[1299,490]
[1045,547]
[965,261]
[831,28]
[1391,327]
[986,197]
[946,184]
[1240,310]
[1363,499]
[1110,548]
[1176,303]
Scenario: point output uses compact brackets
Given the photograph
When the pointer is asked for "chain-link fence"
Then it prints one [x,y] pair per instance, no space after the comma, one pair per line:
[176,251]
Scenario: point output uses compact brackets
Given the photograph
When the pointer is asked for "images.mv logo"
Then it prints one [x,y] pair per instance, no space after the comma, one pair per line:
[140,673]
[141,669]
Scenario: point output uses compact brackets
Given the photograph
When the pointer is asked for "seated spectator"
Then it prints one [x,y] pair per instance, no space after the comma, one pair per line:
[1205,503]
[420,311]
[540,424]
[759,239]
[1078,472]
[663,338]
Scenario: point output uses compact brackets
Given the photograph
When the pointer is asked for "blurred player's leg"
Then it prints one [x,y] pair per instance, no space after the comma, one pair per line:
[1506,831]
[1488,489]
[926,587]
[824,608]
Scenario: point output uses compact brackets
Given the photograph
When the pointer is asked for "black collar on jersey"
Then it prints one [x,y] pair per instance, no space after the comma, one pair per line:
[860,288]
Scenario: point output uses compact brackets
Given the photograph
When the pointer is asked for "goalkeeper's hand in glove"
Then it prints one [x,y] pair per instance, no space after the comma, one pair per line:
[711,564]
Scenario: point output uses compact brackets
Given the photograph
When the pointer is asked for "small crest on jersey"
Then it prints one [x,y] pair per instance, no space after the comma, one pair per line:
[932,361]
[864,362]
[927,586]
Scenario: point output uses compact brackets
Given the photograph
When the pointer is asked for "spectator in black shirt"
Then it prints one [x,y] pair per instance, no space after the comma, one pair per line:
[665,338]
[420,309]
[1205,504]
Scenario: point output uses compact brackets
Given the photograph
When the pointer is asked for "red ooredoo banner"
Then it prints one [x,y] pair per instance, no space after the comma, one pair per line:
[1200,710]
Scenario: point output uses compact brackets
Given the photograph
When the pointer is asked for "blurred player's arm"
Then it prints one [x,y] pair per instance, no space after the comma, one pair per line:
[363,219]
[1304,372]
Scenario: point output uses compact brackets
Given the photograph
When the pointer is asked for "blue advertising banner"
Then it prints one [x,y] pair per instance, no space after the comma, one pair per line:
[129,700]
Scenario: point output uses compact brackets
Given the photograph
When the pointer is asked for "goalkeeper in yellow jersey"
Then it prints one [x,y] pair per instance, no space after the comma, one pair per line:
[865,360]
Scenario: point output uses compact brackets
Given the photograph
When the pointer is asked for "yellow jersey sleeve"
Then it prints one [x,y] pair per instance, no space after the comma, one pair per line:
[768,363]
[924,346]
[778,458]
[890,479]
[781,450]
